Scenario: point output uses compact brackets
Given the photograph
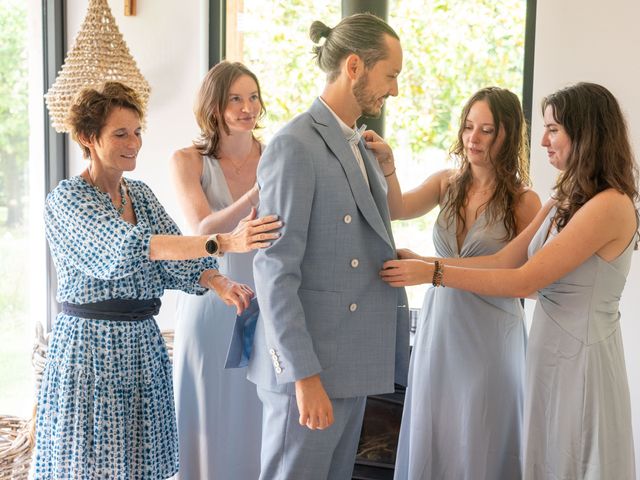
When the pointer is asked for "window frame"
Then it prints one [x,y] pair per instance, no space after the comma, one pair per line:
[56,155]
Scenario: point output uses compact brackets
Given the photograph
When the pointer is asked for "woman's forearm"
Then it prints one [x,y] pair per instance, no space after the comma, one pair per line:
[504,282]
[394,192]
[177,247]
[226,219]
[487,261]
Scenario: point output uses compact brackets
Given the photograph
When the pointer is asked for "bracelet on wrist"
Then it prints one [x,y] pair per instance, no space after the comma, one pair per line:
[387,175]
[438,273]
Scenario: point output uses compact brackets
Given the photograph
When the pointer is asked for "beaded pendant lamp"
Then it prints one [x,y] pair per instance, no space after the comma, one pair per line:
[98,54]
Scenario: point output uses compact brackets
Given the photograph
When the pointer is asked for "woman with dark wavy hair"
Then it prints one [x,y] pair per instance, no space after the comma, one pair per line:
[576,255]
[219,413]
[468,348]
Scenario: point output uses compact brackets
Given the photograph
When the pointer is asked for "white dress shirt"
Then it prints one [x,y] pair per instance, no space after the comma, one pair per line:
[353,138]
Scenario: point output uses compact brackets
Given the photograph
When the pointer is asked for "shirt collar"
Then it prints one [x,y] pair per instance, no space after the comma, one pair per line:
[350,134]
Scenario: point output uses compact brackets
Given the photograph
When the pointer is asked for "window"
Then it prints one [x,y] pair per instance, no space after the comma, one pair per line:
[23,294]
[272,39]
[452,48]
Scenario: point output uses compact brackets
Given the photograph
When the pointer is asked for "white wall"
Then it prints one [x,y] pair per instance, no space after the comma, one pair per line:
[166,40]
[585,40]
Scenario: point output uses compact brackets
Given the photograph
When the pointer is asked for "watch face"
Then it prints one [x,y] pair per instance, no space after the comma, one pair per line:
[211,246]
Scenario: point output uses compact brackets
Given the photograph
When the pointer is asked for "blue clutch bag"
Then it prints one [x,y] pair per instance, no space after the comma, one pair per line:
[242,337]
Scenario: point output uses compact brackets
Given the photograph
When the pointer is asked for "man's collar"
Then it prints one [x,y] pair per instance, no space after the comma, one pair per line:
[352,135]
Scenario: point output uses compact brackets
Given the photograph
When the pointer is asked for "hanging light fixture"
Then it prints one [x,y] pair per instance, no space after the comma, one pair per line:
[99,54]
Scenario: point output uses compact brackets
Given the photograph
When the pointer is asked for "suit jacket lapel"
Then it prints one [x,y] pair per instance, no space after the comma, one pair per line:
[328,128]
[378,188]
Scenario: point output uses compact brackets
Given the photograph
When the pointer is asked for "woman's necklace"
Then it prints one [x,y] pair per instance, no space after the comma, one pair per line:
[123,190]
[123,196]
[237,167]
[481,192]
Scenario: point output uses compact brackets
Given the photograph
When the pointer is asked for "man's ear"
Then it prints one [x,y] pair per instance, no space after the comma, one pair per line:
[354,66]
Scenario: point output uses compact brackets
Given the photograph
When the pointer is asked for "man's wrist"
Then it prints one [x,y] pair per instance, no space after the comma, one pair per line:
[313,380]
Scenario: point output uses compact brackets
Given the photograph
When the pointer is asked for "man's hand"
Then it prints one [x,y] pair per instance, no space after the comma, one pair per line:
[316,411]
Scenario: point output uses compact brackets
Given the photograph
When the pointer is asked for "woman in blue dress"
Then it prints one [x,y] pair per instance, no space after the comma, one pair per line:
[105,406]
[219,412]
[576,254]
[463,406]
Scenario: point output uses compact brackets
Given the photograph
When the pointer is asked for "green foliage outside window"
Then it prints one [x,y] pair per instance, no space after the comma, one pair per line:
[15,333]
[452,48]
[14,127]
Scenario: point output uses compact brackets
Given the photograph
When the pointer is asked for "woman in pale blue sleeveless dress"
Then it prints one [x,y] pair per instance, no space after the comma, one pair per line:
[577,407]
[463,406]
[218,411]
[576,255]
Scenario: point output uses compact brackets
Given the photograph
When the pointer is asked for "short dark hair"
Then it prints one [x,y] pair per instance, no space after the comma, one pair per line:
[91,107]
[362,34]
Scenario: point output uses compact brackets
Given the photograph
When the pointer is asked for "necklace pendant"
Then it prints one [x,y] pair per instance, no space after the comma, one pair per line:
[123,198]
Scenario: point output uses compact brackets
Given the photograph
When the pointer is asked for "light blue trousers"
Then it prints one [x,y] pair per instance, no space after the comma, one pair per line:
[293,452]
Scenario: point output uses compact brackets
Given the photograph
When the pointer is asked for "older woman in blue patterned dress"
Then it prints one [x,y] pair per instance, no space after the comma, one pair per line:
[105,406]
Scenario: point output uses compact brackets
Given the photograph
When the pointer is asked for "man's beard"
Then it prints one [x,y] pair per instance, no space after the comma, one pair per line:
[366,100]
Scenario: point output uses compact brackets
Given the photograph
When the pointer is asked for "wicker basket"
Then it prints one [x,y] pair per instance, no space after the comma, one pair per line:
[17,435]
[16,444]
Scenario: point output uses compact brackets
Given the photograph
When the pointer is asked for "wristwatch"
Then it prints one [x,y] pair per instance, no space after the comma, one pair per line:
[212,246]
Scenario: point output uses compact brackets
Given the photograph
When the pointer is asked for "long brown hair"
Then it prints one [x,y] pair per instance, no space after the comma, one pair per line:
[601,156]
[511,163]
[212,101]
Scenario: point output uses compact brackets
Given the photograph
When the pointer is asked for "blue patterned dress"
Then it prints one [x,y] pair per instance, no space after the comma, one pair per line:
[105,406]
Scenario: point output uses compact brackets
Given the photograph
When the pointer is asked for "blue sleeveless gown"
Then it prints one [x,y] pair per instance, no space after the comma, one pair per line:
[577,422]
[463,408]
[219,413]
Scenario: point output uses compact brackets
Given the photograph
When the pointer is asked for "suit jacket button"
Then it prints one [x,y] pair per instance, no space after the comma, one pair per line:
[272,351]
[347,219]
[278,370]
[276,363]
[355,262]
[353,307]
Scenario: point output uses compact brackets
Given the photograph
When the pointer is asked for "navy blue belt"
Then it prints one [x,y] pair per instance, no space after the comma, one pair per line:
[118,309]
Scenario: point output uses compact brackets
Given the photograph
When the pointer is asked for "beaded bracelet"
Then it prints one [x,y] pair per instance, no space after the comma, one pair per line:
[392,172]
[438,272]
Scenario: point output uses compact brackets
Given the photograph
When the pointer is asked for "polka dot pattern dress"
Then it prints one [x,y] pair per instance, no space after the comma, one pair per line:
[105,406]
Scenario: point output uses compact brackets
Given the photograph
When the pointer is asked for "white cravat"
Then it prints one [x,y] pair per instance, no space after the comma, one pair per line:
[353,138]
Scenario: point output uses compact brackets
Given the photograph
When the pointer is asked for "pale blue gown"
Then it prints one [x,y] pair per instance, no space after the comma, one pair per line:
[219,413]
[577,422]
[463,407]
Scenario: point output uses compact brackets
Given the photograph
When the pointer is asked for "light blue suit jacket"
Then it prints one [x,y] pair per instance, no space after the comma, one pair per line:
[323,307]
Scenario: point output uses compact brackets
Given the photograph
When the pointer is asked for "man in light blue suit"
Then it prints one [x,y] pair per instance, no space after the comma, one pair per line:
[330,331]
